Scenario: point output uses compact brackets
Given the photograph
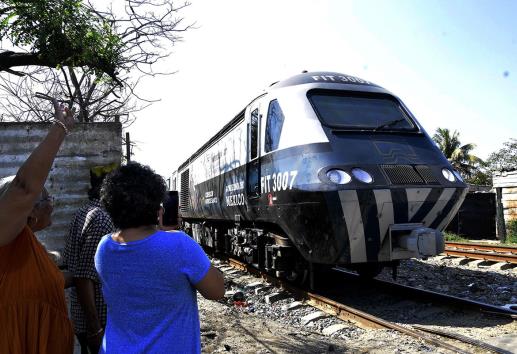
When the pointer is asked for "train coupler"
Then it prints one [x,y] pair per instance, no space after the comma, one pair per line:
[414,241]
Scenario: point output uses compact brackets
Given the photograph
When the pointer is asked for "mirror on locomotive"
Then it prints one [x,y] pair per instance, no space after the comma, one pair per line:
[253,167]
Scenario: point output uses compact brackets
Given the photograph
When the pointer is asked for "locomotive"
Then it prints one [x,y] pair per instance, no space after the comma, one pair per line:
[321,169]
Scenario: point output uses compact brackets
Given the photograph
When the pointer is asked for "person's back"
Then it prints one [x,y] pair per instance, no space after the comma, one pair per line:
[149,277]
[155,309]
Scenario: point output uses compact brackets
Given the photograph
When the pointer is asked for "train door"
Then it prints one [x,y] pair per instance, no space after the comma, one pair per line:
[253,155]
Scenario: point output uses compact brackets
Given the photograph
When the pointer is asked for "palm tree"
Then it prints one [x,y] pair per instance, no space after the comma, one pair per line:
[458,155]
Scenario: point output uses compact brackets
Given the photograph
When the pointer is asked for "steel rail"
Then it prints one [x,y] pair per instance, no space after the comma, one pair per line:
[465,339]
[342,311]
[493,256]
[481,246]
[425,294]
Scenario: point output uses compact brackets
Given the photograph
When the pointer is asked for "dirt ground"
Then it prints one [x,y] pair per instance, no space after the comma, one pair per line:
[262,328]
[225,329]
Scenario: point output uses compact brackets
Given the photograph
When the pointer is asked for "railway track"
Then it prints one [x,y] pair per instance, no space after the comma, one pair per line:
[482,252]
[366,320]
[429,295]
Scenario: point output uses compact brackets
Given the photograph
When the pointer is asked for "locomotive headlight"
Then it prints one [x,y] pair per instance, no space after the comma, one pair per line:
[448,175]
[338,176]
[362,175]
[458,175]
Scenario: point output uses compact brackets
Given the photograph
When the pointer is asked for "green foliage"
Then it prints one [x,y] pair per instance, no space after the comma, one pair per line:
[62,33]
[480,176]
[511,231]
[452,237]
[470,166]
[504,159]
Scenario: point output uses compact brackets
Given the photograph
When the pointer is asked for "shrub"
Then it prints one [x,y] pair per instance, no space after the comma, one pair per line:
[452,237]
[511,231]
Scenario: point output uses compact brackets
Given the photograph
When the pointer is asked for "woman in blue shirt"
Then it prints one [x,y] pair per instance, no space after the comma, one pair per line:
[149,279]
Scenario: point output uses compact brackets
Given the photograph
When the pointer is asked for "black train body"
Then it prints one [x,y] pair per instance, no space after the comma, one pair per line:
[322,168]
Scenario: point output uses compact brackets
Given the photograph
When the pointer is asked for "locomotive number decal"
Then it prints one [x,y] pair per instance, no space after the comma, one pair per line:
[277,182]
[340,78]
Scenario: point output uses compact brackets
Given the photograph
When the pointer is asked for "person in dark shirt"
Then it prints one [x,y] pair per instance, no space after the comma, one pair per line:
[169,219]
[90,223]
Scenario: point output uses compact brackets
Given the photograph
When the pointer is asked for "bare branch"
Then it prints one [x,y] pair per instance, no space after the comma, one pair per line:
[147,29]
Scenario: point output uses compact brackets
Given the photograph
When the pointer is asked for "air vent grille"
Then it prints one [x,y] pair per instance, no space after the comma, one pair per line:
[402,174]
[426,173]
[185,192]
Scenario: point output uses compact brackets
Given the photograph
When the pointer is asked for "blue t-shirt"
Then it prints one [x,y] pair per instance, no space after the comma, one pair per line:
[148,286]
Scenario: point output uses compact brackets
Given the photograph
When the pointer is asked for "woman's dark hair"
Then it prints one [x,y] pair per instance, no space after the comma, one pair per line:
[132,195]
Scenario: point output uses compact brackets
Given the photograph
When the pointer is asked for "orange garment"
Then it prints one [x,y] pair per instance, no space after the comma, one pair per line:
[33,312]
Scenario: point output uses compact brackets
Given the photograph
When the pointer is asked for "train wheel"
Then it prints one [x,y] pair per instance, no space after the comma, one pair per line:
[298,274]
[369,270]
[298,277]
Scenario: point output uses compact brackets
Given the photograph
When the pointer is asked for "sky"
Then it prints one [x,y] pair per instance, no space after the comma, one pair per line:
[453,63]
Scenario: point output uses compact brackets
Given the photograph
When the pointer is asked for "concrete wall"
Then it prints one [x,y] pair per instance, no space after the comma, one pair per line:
[90,144]
[507,181]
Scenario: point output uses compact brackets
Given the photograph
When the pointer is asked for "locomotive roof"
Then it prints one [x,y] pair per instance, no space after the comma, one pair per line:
[239,117]
[322,77]
[327,77]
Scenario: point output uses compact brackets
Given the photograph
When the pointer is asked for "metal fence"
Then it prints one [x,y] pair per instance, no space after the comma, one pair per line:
[476,217]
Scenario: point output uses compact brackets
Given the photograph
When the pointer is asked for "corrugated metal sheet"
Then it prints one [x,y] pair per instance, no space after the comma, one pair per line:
[90,144]
[507,181]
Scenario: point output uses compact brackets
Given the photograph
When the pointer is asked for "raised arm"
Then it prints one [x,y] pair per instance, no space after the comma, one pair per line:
[17,202]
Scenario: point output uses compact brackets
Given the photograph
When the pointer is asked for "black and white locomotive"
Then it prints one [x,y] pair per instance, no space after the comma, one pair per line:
[321,169]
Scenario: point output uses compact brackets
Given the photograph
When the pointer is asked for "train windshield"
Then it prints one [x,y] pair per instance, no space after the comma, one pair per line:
[376,112]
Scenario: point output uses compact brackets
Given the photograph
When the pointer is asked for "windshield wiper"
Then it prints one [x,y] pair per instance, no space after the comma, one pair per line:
[389,124]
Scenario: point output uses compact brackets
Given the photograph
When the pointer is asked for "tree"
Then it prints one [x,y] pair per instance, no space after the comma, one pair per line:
[505,159]
[458,155]
[89,56]
[57,33]
[481,175]
[96,100]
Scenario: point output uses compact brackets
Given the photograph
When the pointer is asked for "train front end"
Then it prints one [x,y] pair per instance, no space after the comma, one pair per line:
[371,187]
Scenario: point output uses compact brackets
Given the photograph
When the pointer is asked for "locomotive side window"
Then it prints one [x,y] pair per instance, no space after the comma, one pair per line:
[253,167]
[359,111]
[254,134]
[274,124]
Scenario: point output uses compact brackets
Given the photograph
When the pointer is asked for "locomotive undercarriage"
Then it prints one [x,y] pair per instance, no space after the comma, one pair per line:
[256,246]
[265,248]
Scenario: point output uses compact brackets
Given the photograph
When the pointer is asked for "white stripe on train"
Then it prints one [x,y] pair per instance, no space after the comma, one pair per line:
[354,225]
[415,196]
[437,209]
[453,212]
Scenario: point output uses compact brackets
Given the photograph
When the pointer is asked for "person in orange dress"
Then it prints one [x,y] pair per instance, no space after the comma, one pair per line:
[33,312]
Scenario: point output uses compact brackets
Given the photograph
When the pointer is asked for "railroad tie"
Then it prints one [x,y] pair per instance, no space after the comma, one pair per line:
[314,316]
[272,298]
[292,306]
[330,330]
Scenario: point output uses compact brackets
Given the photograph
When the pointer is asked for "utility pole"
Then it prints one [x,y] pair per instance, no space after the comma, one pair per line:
[500,225]
[128,148]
